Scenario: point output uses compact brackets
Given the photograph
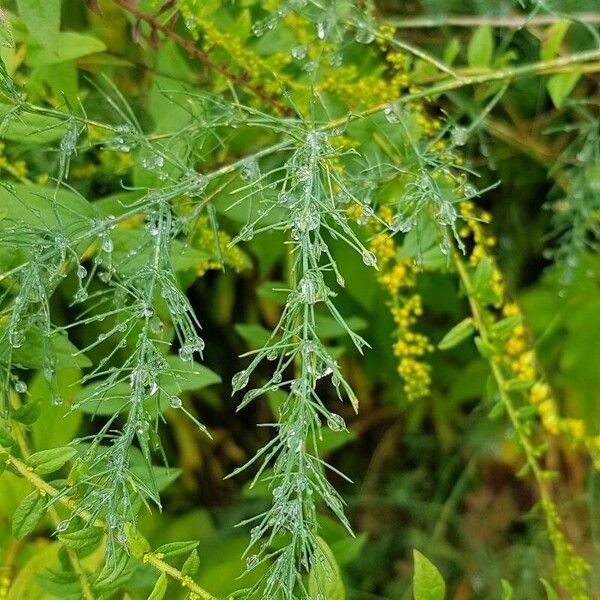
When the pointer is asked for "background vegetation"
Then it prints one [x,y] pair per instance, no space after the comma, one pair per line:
[381,218]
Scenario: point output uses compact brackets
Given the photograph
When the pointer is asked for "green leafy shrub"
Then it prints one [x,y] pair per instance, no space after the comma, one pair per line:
[300,184]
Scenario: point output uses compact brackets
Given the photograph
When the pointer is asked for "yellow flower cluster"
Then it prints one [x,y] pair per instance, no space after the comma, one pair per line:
[474,223]
[520,359]
[518,354]
[111,162]
[264,72]
[204,239]
[397,276]
[18,168]
[4,586]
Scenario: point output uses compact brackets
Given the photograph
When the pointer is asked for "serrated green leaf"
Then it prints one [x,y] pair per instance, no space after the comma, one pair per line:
[138,545]
[48,461]
[428,583]
[83,541]
[191,565]
[460,332]
[160,588]
[325,577]
[28,514]
[176,548]
[481,47]
[28,413]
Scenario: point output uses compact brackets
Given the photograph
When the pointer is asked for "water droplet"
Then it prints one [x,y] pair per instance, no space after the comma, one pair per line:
[121,537]
[246,234]
[175,402]
[80,295]
[335,59]
[107,245]
[335,422]
[239,381]
[190,23]
[323,28]
[20,387]
[369,258]
[364,35]
[390,113]
[57,400]
[299,52]
[254,533]
[81,272]
[278,491]
[460,135]
[48,373]
[16,338]
[401,223]
[251,562]
[258,28]
[62,526]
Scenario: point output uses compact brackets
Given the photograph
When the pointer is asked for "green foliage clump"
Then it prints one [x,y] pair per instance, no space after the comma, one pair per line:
[291,196]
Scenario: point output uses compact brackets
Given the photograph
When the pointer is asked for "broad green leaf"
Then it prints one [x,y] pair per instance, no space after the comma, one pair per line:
[481,47]
[28,514]
[555,35]
[28,413]
[428,584]
[32,204]
[68,46]
[26,128]
[176,548]
[160,588]
[57,425]
[32,353]
[325,577]
[42,19]
[48,461]
[138,545]
[460,332]
[348,548]
[83,541]
[185,376]
[560,85]
[253,333]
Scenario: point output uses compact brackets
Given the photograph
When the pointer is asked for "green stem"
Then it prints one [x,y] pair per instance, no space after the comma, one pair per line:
[186,581]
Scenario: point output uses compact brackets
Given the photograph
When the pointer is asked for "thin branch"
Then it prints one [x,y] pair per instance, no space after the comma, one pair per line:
[516,22]
[574,61]
[190,47]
